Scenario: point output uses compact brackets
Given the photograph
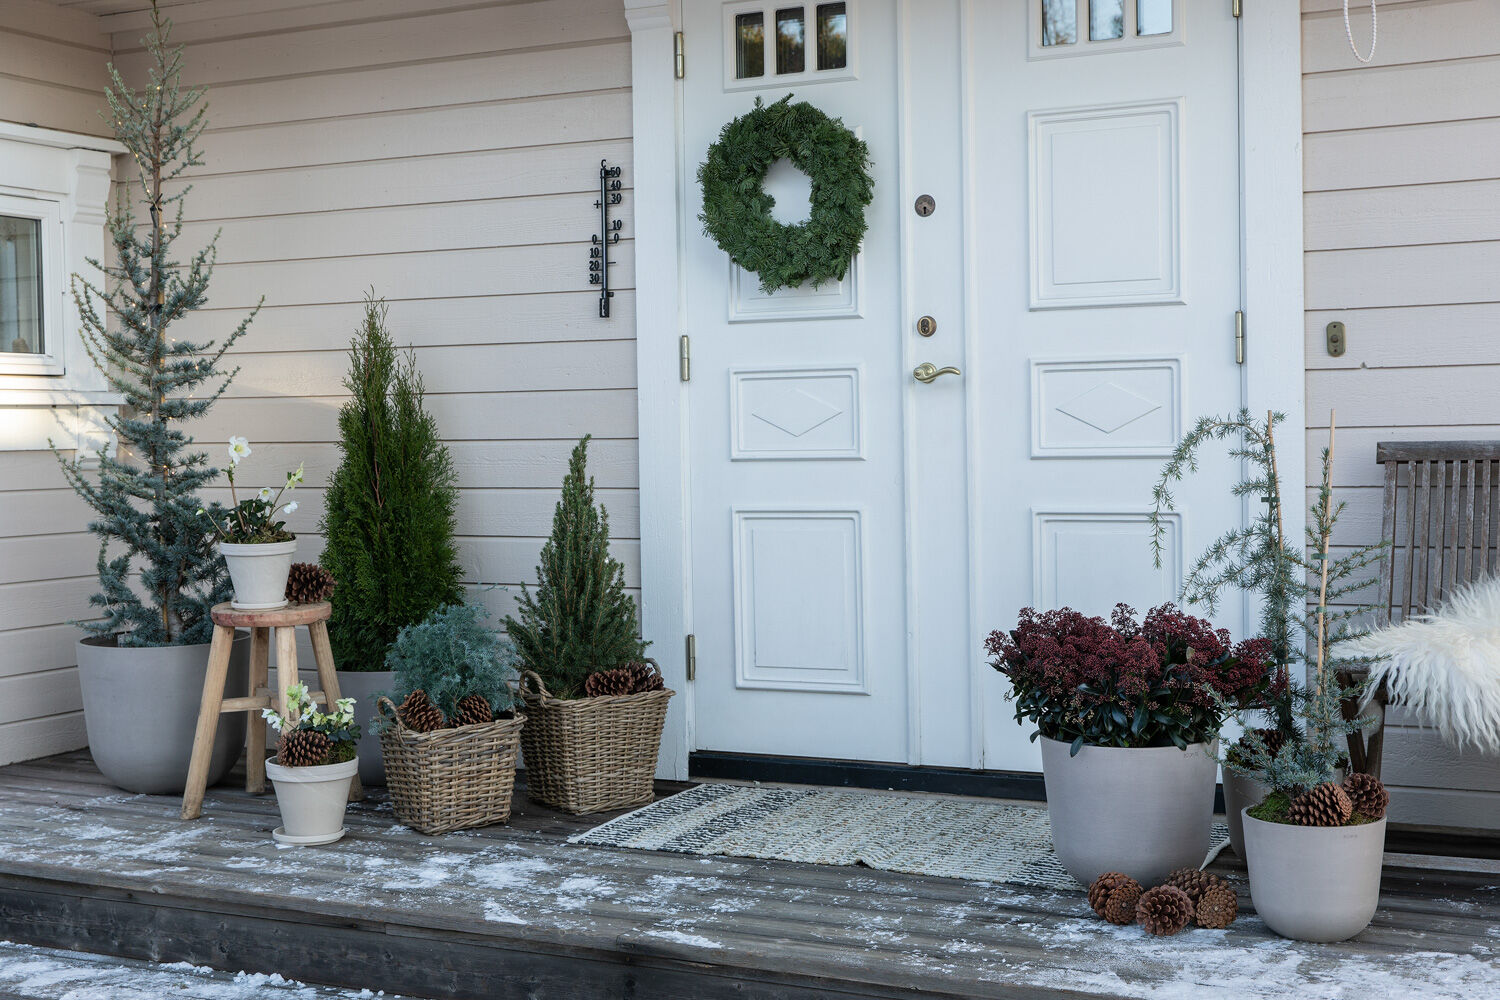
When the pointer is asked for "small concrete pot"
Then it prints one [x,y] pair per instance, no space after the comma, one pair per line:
[1314,883]
[140,707]
[1143,812]
[312,801]
[1240,793]
[363,686]
[259,573]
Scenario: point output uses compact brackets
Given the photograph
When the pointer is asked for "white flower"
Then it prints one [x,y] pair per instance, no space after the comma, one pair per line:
[265,494]
[294,479]
[239,448]
[289,508]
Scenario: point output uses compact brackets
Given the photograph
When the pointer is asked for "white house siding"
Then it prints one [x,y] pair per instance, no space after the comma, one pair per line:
[447,154]
[1402,216]
[52,75]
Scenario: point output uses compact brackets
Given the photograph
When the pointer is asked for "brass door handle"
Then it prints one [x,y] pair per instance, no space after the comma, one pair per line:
[927,371]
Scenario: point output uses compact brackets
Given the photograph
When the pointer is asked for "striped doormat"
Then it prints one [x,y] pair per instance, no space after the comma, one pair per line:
[914,834]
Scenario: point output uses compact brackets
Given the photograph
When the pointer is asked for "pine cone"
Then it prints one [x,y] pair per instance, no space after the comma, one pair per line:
[303,748]
[1218,907]
[1367,794]
[644,677]
[1164,911]
[1325,805]
[1109,887]
[1193,882]
[308,583]
[608,682]
[419,714]
[473,710]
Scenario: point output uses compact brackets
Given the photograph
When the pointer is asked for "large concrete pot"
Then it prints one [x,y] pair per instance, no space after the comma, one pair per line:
[363,686]
[1143,812]
[140,706]
[1240,793]
[1314,883]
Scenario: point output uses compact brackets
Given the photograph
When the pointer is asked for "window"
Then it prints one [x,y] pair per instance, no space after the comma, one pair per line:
[1108,26]
[770,45]
[31,287]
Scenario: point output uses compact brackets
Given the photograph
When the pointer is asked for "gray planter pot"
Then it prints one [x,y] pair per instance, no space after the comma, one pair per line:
[362,686]
[1240,793]
[140,706]
[1314,883]
[1142,812]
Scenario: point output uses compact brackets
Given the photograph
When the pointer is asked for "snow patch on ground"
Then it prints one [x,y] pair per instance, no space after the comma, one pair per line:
[680,937]
[516,874]
[495,913]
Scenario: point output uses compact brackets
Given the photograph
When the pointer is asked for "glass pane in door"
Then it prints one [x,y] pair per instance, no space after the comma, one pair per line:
[1059,22]
[833,36]
[1106,19]
[1153,17]
[749,45]
[791,51]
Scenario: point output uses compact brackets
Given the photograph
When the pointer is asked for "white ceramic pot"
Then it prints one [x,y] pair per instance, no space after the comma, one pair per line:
[312,800]
[259,573]
[1240,793]
[1314,883]
[1143,812]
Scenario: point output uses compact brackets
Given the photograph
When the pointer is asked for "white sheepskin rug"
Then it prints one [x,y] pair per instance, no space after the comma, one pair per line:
[1445,666]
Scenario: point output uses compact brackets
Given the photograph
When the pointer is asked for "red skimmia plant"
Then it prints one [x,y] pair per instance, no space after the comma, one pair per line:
[1167,681]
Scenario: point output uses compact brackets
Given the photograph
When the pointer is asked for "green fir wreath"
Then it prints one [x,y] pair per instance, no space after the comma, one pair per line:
[737,210]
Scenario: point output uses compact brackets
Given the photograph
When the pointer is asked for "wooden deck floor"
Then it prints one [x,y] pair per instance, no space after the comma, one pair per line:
[516,912]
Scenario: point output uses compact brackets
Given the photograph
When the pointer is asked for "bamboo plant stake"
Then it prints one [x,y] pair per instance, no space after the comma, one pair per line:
[1323,535]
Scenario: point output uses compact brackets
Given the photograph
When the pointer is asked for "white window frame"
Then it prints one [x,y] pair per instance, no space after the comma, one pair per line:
[59,398]
[1086,46]
[52,361]
[810,72]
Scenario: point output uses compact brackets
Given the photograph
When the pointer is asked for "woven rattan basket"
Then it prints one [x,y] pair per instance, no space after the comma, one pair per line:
[588,755]
[450,779]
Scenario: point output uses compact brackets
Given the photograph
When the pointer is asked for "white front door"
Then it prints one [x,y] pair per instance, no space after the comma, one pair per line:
[855,532]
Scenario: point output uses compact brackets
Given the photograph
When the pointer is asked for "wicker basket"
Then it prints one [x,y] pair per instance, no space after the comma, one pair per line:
[588,755]
[450,779]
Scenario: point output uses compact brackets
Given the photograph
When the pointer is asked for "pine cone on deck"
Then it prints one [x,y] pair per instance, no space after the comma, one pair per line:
[1218,907]
[1367,794]
[303,748]
[419,714]
[308,583]
[608,682]
[1164,911]
[1325,805]
[473,710]
[1193,882]
[1112,886]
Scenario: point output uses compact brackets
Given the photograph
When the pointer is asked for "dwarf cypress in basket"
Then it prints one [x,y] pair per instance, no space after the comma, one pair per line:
[579,620]
[390,507]
[453,655]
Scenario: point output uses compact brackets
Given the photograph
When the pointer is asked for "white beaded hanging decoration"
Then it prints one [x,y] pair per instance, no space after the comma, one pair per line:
[1374,32]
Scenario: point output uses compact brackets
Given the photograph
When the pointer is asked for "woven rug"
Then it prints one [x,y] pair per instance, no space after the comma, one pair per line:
[913,834]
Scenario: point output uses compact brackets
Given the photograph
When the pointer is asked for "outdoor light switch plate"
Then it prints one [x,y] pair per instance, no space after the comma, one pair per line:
[1337,339]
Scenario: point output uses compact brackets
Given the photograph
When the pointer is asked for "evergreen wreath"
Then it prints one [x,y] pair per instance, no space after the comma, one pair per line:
[737,210]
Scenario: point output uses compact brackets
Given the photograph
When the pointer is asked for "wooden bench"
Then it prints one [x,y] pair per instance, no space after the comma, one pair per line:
[1441,521]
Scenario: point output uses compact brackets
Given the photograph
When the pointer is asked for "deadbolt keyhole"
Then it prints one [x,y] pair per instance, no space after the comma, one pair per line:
[925,206]
[926,326]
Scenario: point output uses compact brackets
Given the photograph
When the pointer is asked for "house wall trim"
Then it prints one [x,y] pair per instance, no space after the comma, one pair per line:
[1271,293]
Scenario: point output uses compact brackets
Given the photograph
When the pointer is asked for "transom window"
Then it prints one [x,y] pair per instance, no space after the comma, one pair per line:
[1086,27]
[775,44]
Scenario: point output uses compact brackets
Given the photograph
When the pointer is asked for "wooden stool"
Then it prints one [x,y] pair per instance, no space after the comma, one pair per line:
[284,622]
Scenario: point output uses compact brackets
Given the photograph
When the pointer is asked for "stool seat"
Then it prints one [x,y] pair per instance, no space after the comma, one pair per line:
[283,623]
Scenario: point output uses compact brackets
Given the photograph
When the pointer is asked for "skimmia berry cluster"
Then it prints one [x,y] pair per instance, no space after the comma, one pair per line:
[1167,680]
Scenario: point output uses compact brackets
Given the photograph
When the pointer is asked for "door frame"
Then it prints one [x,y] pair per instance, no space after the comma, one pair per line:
[664,203]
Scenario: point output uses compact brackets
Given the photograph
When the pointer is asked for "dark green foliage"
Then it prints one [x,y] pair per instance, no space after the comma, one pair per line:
[390,508]
[144,499]
[737,210]
[451,654]
[579,620]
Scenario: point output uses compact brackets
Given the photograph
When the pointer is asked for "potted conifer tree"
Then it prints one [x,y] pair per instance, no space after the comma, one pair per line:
[390,513]
[159,576]
[595,705]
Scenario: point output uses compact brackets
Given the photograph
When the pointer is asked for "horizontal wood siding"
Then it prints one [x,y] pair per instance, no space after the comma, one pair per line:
[52,74]
[445,154]
[1402,216]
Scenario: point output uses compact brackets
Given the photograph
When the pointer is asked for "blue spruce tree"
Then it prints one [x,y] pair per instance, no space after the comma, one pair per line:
[145,499]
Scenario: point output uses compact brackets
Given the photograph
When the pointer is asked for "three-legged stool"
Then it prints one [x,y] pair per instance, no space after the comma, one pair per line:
[283,622]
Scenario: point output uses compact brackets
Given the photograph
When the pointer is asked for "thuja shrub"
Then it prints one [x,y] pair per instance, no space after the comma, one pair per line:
[1166,681]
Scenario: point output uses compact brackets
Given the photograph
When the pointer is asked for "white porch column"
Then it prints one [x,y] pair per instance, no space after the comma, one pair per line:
[658,215]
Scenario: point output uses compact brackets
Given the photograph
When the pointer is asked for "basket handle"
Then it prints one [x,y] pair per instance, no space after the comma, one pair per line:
[531,683]
[387,708]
